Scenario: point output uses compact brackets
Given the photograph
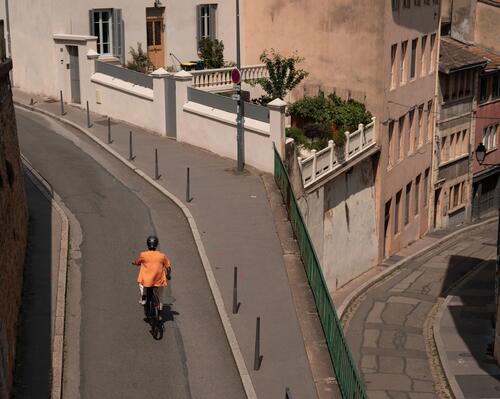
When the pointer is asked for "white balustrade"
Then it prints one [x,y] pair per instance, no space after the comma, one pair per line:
[215,78]
[323,162]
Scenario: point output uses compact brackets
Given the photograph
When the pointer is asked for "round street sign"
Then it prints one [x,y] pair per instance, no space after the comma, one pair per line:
[236,76]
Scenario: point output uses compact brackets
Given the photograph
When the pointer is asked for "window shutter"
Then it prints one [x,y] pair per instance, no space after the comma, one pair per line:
[212,19]
[91,22]
[118,34]
[198,25]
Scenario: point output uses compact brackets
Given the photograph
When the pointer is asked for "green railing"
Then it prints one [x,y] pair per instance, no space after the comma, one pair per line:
[349,380]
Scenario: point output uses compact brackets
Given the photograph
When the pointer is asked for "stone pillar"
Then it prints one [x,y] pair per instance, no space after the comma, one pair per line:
[277,110]
[159,99]
[183,80]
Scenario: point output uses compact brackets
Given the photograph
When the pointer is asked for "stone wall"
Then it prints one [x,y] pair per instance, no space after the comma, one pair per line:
[13,231]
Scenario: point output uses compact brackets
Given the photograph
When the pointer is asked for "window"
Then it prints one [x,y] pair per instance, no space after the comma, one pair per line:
[490,137]
[483,89]
[495,90]
[454,197]
[399,151]
[469,76]
[407,3]
[432,49]
[461,84]
[402,72]
[107,24]
[417,2]
[395,5]
[452,146]
[430,121]
[425,187]
[407,204]
[423,48]
[206,14]
[465,142]
[414,43]
[462,193]
[444,149]
[411,131]
[396,212]
[419,132]
[452,86]
[391,143]
[2,41]
[417,195]
[394,49]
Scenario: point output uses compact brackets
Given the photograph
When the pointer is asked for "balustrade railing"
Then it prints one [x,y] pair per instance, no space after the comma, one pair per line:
[208,78]
[325,161]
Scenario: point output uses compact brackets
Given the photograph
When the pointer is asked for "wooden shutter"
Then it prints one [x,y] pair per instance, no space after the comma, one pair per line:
[118,34]
[212,18]
[91,22]
[198,25]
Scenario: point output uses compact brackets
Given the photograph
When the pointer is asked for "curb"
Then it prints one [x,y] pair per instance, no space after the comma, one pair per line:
[436,332]
[375,279]
[230,335]
[58,339]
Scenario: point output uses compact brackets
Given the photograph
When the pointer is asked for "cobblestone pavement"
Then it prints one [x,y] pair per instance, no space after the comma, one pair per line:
[387,328]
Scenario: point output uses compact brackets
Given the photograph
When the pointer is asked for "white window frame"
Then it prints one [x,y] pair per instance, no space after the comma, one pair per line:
[110,33]
[403,57]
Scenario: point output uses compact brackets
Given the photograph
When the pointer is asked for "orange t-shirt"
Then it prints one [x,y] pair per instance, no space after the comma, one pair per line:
[153,264]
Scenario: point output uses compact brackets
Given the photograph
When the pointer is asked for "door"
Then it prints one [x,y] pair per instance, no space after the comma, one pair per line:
[387,218]
[437,208]
[155,37]
[74,71]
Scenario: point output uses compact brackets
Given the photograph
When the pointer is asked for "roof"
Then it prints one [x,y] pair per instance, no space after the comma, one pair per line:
[454,55]
[492,57]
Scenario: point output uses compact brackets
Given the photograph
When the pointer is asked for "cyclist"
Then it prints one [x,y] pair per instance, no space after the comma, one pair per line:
[152,273]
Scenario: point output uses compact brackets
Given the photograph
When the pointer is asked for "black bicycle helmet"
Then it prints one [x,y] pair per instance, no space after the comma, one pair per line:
[152,243]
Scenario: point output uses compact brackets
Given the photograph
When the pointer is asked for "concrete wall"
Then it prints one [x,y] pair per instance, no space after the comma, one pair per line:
[488,25]
[37,58]
[13,231]
[341,219]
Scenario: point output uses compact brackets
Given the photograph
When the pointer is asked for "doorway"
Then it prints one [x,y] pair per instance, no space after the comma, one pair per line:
[74,71]
[155,29]
[387,218]
[437,206]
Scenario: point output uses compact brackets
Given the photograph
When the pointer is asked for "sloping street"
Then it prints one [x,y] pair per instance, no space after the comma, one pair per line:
[116,211]
[387,329]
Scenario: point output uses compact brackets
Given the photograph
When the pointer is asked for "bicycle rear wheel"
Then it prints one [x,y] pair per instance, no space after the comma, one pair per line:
[156,324]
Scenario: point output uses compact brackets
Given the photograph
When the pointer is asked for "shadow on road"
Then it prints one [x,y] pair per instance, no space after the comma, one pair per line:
[34,343]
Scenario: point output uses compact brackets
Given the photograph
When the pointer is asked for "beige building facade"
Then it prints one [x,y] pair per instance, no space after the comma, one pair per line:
[383,53]
[168,30]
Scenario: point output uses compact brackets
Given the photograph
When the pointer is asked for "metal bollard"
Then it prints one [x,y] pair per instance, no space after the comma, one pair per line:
[88,116]
[131,156]
[109,131]
[236,304]
[157,175]
[258,357]
[188,189]
[62,103]
[288,393]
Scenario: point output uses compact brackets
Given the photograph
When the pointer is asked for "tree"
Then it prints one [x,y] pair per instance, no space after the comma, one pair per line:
[140,60]
[283,75]
[211,53]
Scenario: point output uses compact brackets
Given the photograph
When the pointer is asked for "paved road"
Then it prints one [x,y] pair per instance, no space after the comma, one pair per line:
[386,332]
[117,210]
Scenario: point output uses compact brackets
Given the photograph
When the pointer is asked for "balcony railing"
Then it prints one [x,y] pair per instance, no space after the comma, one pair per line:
[327,160]
[221,78]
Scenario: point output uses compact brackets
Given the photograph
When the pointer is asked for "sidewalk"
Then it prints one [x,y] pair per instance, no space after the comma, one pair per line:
[37,323]
[237,228]
[464,336]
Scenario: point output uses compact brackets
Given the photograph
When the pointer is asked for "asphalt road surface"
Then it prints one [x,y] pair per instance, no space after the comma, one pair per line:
[111,353]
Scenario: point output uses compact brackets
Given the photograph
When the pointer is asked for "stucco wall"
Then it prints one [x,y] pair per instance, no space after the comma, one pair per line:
[464,21]
[488,25]
[489,110]
[13,231]
[37,59]
[341,218]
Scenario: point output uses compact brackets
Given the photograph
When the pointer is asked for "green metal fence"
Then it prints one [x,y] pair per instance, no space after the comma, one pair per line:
[349,380]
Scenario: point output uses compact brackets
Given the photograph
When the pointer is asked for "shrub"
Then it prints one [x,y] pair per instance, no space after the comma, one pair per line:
[211,53]
[140,60]
[329,116]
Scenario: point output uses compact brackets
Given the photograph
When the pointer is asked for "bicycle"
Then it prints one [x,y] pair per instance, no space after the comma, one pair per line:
[153,313]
